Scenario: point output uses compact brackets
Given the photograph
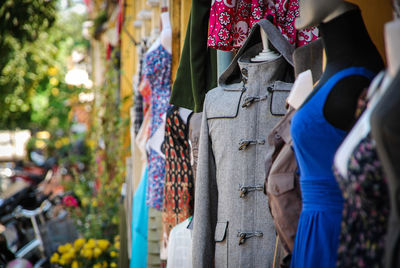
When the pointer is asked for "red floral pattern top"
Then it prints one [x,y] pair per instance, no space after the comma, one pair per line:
[231,21]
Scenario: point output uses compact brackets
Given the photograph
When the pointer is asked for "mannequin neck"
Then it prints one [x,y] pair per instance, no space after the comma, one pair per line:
[346,38]
[341,9]
[166,32]
[392,38]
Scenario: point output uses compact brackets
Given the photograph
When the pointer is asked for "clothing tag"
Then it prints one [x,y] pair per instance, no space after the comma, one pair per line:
[302,87]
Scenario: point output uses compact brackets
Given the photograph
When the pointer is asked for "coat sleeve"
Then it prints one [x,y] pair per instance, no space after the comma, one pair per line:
[206,201]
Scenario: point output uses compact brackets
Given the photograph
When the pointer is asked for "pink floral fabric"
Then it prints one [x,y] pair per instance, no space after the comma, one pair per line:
[231,21]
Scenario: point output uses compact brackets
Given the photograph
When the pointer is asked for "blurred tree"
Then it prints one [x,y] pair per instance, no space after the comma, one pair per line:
[23,21]
[37,39]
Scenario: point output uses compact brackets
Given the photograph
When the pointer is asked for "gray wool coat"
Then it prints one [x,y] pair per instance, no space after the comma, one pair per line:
[232,225]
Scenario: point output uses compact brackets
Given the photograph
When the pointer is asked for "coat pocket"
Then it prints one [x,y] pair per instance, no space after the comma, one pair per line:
[221,244]
[231,100]
[279,93]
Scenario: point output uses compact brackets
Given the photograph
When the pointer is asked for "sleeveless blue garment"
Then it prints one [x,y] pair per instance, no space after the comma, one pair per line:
[140,216]
[315,143]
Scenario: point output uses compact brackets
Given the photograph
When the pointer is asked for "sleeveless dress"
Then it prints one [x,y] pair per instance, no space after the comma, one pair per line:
[315,143]
[157,70]
[366,209]
[360,175]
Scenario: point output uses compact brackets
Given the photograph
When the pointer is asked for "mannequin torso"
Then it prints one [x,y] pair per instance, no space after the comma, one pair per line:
[165,36]
[347,44]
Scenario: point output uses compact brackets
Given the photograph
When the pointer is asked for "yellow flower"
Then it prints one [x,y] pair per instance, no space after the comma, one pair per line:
[64,140]
[91,243]
[54,258]
[55,91]
[71,253]
[113,254]
[97,265]
[44,135]
[58,144]
[88,253]
[103,244]
[66,258]
[85,201]
[40,144]
[94,203]
[62,261]
[116,238]
[79,243]
[67,247]
[61,248]
[96,252]
[113,265]
[117,245]
[52,71]
[105,264]
[74,264]
[91,143]
[53,81]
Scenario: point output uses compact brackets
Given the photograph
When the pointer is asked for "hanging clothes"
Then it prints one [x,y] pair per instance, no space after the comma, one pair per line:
[197,71]
[157,72]
[232,224]
[140,215]
[180,246]
[231,21]
[363,183]
[386,131]
[138,98]
[178,185]
[366,209]
[318,230]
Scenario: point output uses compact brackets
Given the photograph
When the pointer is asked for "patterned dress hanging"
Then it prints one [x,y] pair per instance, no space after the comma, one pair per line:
[178,187]
[231,21]
[366,209]
[157,71]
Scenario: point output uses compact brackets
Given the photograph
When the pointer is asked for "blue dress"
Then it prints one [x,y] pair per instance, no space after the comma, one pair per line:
[140,216]
[315,143]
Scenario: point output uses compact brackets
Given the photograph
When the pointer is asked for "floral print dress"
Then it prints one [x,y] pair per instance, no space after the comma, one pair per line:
[366,209]
[231,21]
[157,71]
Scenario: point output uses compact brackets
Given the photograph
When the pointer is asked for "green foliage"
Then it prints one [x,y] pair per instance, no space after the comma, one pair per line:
[32,94]
[99,188]
[25,19]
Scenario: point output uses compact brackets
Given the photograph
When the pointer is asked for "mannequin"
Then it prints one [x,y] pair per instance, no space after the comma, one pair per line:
[347,44]
[266,53]
[232,226]
[166,32]
[323,121]
[386,131]
[166,35]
